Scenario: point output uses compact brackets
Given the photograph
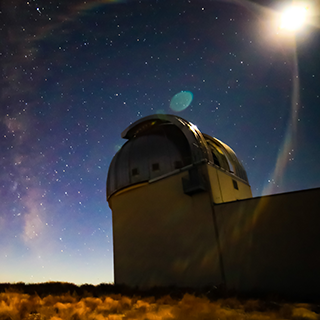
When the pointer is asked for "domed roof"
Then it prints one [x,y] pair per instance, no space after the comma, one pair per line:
[161,144]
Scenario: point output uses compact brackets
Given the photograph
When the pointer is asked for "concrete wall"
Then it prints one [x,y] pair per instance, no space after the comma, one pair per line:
[163,236]
[272,243]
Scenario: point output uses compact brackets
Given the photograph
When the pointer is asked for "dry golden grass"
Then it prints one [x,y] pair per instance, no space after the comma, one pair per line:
[17,305]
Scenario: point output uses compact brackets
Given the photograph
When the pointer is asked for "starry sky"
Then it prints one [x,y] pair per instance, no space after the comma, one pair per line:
[75,74]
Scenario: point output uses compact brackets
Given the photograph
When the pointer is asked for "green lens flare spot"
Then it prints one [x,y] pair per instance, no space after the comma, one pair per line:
[181,101]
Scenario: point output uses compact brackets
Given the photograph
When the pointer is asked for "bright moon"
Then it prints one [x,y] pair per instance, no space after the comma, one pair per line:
[293,18]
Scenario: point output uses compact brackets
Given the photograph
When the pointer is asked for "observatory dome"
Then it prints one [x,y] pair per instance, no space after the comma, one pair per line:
[159,145]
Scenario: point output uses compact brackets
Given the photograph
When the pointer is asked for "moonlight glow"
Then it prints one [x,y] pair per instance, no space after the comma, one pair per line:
[293,18]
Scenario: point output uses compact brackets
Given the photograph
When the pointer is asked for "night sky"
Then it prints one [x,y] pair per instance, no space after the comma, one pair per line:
[75,74]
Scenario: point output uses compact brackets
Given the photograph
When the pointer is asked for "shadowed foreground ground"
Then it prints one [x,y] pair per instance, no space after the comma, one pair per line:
[57,301]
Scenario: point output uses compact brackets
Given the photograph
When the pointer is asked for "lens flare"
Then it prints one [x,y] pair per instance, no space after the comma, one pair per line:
[289,141]
[181,101]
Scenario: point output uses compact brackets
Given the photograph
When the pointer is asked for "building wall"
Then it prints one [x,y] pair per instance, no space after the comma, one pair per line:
[164,237]
[222,186]
[272,243]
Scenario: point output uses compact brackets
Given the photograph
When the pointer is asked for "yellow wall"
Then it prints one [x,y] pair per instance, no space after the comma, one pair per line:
[222,186]
[163,236]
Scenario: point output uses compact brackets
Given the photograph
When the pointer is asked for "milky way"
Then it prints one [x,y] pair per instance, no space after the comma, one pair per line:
[76,74]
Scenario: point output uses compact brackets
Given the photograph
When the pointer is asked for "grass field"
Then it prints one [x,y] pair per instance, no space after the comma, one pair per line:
[89,302]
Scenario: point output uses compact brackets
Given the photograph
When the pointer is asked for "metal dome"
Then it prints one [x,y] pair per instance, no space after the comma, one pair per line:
[161,144]
[225,158]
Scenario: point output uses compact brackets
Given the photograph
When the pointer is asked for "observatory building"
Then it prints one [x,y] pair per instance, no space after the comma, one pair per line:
[183,215]
[161,187]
